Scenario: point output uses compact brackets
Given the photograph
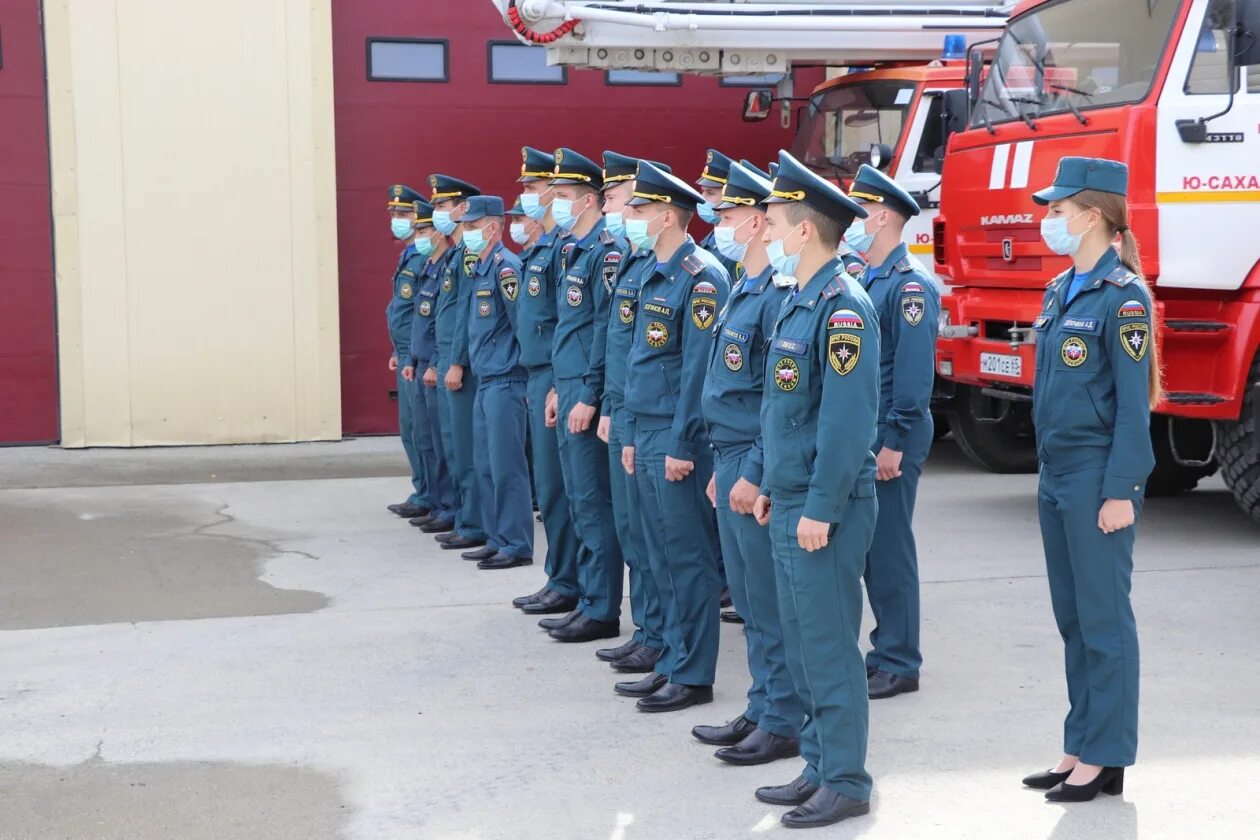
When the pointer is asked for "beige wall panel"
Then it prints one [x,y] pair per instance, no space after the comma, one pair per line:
[205,202]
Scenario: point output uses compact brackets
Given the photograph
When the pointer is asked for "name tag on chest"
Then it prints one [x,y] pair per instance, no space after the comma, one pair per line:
[1081,325]
[734,334]
[659,309]
[791,345]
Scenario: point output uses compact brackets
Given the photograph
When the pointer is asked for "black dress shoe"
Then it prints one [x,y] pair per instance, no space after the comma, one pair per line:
[550,604]
[504,561]
[796,792]
[444,537]
[522,600]
[586,629]
[1046,780]
[674,697]
[438,526]
[553,623]
[392,508]
[824,808]
[1110,780]
[881,685]
[761,747]
[640,661]
[483,553]
[641,688]
[619,652]
[457,542]
[421,521]
[731,617]
[725,735]
[724,599]
[411,511]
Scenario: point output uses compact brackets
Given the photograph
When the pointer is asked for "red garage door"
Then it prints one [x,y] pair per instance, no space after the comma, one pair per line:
[454,93]
[28,332]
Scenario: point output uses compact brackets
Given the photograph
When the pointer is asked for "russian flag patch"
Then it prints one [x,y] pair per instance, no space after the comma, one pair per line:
[845,319]
[704,287]
[1132,309]
[912,287]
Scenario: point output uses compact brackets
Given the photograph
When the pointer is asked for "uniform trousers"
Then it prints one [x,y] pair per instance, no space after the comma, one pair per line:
[681,549]
[645,600]
[457,440]
[772,701]
[820,605]
[1090,577]
[507,514]
[892,576]
[437,473]
[584,461]
[553,504]
[416,435]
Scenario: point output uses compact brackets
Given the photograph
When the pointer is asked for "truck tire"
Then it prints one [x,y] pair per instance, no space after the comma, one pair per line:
[1194,441]
[996,434]
[1238,449]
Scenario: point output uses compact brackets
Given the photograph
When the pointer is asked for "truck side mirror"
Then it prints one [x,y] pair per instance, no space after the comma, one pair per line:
[975,70]
[1247,41]
[953,113]
[757,104]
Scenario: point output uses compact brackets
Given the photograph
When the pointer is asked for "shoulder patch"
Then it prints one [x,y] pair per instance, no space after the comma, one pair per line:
[1120,276]
[612,257]
[854,268]
[692,264]
[1131,309]
[704,287]
[845,319]
[509,282]
[913,287]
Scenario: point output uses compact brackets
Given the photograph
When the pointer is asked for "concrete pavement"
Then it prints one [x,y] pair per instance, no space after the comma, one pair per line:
[191,649]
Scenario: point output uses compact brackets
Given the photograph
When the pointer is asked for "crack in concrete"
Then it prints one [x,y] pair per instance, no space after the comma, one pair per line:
[227,518]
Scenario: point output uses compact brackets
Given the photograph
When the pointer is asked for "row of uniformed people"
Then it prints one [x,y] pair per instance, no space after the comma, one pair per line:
[643,345]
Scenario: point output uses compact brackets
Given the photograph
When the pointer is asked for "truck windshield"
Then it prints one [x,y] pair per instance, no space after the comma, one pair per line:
[1071,55]
[841,124]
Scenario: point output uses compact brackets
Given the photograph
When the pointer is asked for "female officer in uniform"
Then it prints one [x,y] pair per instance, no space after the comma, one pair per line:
[1097,378]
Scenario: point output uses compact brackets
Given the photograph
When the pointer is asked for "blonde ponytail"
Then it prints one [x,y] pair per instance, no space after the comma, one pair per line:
[1115,212]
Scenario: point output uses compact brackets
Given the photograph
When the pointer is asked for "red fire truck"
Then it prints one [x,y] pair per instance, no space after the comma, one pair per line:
[1172,88]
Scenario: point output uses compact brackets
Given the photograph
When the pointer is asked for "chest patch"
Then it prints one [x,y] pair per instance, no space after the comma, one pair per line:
[912,309]
[1074,352]
[657,334]
[509,283]
[1135,337]
[446,282]
[845,319]
[625,311]
[425,308]
[738,335]
[483,308]
[405,291]
[574,296]
[787,375]
[733,355]
[1131,309]
[843,352]
[534,286]
[703,311]
[1082,325]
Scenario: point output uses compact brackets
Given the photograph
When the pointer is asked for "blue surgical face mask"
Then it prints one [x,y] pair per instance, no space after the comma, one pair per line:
[857,237]
[532,206]
[562,213]
[784,263]
[637,233]
[518,234]
[1054,231]
[401,228]
[424,246]
[442,221]
[474,240]
[727,245]
[707,213]
[616,223]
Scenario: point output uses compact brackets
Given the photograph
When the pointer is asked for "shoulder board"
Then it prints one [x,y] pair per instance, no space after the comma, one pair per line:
[1061,277]
[903,264]
[612,257]
[1120,276]
[835,287]
[692,264]
[498,256]
[606,237]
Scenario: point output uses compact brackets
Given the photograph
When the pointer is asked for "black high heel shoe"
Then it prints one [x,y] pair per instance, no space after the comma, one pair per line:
[1110,780]
[1046,780]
